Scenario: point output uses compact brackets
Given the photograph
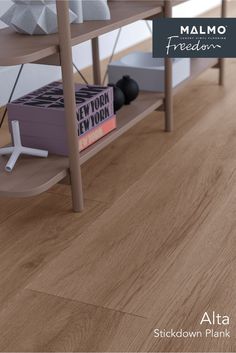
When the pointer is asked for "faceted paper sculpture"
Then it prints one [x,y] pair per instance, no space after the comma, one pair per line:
[95,10]
[17,149]
[76,7]
[34,16]
[40,16]
[90,10]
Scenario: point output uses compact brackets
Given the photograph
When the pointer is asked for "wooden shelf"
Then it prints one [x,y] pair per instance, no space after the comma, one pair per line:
[32,176]
[127,117]
[122,14]
[21,49]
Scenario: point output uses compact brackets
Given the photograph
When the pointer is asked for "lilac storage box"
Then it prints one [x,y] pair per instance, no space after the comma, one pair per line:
[42,117]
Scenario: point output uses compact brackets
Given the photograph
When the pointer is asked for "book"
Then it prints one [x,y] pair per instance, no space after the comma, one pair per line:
[97,133]
[41,114]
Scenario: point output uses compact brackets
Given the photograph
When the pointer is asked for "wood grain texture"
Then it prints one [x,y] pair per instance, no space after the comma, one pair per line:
[28,243]
[222,301]
[170,219]
[44,323]
[10,206]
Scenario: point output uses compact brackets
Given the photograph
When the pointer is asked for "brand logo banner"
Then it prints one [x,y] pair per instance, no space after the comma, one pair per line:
[194,37]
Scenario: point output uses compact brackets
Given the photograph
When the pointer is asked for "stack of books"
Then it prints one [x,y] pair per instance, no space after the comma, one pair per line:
[41,115]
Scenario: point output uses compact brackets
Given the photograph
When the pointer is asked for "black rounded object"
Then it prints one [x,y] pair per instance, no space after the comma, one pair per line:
[119,97]
[129,87]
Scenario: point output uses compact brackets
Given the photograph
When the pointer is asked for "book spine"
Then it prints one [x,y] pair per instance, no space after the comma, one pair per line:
[97,133]
[92,113]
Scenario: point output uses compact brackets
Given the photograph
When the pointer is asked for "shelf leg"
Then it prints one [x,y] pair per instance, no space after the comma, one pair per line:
[221,72]
[70,106]
[222,60]
[96,62]
[169,121]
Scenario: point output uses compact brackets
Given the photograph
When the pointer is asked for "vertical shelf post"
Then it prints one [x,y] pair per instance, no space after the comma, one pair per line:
[169,123]
[222,60]
[70,106]
[96,62]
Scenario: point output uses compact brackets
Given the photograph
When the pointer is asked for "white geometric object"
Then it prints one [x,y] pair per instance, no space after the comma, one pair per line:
[76,7]
[17,149]
[95,10]
[147,71]
[34,16]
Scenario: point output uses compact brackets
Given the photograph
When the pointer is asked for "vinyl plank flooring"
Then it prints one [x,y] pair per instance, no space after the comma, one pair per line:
[35,235]
[170,237]
[36,322]
[189,290]
[177,318]
[10,206]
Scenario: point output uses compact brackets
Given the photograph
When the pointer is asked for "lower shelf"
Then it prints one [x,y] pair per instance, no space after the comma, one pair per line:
[31,175]
[127,117]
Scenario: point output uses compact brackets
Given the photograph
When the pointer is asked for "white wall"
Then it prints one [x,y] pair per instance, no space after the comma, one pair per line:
[35,76]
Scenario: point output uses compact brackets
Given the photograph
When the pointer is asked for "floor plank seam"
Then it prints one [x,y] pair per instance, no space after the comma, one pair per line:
[82,302]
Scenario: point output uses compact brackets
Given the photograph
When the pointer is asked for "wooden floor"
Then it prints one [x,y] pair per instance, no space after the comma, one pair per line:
[154,248]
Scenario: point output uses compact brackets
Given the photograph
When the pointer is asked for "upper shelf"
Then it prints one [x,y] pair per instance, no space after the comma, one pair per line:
[22,49]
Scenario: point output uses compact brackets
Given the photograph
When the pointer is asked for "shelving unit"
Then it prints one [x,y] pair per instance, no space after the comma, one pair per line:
[33,176]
